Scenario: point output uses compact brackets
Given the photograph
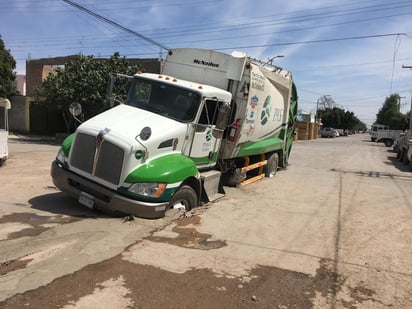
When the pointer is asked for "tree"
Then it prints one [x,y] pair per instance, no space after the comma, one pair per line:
[332,117]
[389,114]
[84,80]
[340,119]
[7,75]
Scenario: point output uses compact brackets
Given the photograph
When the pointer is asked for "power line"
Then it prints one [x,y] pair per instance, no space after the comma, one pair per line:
[166,32]
[303,18]
[115,24]
[318,41]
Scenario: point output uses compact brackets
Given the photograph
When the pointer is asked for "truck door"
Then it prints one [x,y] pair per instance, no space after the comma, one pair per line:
[208,134]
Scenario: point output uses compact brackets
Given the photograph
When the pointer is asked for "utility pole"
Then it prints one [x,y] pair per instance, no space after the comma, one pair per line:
[410,112]
[400,103]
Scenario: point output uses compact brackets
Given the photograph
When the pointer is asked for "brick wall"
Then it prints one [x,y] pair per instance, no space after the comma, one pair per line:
[35,69]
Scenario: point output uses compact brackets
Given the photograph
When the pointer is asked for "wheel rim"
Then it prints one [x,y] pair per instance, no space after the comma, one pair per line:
[273,168]
[180,204]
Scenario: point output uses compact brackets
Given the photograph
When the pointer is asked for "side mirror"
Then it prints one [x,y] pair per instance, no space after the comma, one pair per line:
[75,109]
[223,116]
[221,121]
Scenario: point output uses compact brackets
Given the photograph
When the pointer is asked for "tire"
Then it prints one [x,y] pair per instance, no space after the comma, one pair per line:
[388,142]
[410,165]
[272,165]
[185,197]
[401,155]
[405,157]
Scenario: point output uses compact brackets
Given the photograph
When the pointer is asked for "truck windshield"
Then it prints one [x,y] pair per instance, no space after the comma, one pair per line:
[161,98]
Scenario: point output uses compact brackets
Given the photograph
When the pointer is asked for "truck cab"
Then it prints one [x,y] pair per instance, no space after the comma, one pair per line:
[375,129]
[135,157]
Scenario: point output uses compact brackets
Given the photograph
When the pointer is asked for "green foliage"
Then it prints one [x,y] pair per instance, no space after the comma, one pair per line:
[7,75]
[389,114]
[340,119]
[84,80]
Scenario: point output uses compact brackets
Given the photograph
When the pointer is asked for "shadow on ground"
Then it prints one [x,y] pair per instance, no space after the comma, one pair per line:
[393,160]
[59,203]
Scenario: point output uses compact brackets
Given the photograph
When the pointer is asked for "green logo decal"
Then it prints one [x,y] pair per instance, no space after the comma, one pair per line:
[209,135]
[265,115]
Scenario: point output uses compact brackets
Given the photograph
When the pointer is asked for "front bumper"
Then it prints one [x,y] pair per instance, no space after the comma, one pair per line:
[104,199]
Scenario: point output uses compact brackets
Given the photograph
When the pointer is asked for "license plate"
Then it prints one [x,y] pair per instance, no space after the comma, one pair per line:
[86,199]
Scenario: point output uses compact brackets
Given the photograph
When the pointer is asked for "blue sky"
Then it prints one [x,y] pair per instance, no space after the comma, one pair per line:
[351,50]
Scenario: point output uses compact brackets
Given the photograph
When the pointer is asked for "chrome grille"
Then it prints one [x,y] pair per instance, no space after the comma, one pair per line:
[108,164]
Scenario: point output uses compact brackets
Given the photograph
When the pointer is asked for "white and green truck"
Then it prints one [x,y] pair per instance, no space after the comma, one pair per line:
[209,119]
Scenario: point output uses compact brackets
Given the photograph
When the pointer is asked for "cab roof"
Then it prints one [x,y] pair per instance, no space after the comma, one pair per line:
[205,90]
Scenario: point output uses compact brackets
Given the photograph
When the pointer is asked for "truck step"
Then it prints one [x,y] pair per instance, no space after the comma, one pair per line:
[211,185]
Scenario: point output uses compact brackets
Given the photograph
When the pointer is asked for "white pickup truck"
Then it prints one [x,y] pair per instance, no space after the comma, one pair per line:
[4,129]
[387,136]
[380,133]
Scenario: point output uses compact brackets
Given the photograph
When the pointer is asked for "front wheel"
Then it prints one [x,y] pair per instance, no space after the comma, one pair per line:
[272,165]
[185,198]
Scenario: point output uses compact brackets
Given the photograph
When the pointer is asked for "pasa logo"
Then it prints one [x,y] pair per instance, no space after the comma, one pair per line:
[209,135]
[266,110]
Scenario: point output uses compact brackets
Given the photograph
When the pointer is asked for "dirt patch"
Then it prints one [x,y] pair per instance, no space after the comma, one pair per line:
[8,266]
[31,259]
[143,286]
[155,288]
[360,294]
[38,223]
[185,221]
[189,237]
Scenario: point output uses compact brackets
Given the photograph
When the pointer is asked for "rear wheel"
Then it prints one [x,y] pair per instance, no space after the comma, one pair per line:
[388,142]
[185,198]
[405,157]
[402,154]
[272,165]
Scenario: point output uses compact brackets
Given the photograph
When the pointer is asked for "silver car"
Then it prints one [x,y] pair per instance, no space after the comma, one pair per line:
[328,132]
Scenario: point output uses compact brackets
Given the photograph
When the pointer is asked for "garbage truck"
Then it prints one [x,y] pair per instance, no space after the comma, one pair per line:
[208,120]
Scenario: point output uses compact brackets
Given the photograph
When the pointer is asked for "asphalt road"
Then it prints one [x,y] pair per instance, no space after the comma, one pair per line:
[333,230]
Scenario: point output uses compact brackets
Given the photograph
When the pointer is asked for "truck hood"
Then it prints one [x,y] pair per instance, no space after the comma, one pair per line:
[126,122]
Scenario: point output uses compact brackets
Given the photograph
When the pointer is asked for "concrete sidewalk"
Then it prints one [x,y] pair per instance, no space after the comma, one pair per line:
[35,138]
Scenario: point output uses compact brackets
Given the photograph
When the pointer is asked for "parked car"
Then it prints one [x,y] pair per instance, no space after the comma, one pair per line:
[328,132]
[396,144]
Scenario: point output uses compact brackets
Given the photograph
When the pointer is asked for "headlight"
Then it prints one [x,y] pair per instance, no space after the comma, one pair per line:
[148,189]
[60,156]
